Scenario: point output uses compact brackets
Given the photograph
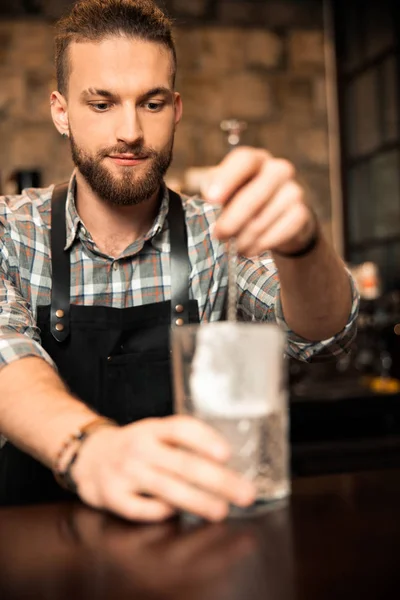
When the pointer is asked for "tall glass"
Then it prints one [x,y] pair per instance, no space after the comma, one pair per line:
[232,376]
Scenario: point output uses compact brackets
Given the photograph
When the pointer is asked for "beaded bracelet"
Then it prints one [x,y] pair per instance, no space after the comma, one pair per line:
[74,442]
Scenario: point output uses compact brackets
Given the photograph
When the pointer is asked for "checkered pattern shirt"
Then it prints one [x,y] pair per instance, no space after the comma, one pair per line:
[141,275]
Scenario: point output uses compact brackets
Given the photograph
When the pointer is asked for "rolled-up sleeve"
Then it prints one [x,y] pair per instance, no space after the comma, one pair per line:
[259,300]
[19,334]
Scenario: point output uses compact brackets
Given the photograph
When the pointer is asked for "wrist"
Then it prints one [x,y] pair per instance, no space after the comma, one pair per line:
[71,448]
[90,457]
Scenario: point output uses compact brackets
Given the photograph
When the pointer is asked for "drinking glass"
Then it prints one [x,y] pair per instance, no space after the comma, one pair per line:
[231,375]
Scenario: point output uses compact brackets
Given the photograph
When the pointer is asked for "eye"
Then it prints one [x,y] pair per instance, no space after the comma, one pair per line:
[154,106]
[100,106]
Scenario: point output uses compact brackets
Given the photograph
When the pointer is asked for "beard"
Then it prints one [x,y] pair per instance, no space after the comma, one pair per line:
[131,187]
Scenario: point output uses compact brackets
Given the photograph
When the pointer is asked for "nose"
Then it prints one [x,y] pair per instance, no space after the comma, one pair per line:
[129,128]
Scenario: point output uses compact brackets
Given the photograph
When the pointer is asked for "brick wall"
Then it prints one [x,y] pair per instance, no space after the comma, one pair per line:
[258,61]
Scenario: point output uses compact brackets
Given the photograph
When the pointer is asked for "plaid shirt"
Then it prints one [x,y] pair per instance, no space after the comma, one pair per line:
[141,275]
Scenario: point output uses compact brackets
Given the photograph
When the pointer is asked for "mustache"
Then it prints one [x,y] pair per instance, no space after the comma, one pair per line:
[137,149]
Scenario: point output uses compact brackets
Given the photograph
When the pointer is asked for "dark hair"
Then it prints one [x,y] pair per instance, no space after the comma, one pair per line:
[94,20]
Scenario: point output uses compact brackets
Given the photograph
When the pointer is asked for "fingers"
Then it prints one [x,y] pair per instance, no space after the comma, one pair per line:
[136,508]
[238,167]
[175,460]
[286,199]
[252,198]
[264,207]
[284,229]
[194,435]
[207,475]
[180,494]
[193,481]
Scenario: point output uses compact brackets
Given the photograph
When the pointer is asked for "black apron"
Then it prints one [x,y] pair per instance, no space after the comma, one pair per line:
[115,360]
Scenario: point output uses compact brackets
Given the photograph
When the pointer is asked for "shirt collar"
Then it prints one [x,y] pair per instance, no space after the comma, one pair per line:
[72,218]
[74,223]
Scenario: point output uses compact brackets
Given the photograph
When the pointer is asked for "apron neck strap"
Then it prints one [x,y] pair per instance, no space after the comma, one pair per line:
[179,261]
[60,260]
[60,266]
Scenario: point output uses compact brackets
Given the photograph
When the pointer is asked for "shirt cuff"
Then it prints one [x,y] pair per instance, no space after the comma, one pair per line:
[16,346]
[302,349]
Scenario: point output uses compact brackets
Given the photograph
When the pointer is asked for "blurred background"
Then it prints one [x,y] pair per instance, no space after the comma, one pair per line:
[258,61]
[297,72]
[314,81]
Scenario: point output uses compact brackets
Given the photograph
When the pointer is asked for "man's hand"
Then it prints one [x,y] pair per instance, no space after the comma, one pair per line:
[264,207]
[147,470]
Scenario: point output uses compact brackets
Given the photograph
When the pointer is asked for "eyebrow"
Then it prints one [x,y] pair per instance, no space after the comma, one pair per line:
[162,91]
[107,94]
[96,92]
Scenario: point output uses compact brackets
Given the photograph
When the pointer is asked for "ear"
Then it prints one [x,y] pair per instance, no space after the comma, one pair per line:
[59,112]
[178,107]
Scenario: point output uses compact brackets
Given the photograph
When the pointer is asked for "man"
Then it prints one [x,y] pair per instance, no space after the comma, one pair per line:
[85,308]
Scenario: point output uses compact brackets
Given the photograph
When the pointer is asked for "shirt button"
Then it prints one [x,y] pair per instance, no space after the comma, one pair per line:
[115,266]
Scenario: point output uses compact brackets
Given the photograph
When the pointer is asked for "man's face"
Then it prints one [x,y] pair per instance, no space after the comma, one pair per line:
[122,112]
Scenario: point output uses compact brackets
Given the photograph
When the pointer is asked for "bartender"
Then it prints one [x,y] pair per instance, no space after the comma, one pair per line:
[95,272]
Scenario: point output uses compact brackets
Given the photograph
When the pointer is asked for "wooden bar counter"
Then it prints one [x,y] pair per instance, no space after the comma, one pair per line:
[337,539]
